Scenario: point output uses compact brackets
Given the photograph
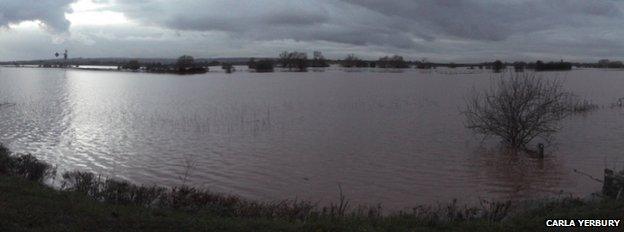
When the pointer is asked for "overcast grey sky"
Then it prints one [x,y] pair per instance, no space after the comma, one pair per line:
[439,30]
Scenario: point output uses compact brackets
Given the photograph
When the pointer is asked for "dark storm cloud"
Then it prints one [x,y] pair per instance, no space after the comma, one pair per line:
[496,20]
[303,20]
[235,16]
[445,30]
[395,23]
[51,13]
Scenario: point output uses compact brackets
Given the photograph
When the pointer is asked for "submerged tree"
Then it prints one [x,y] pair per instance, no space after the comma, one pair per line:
[423,64]
[229,68]
[260,66]
[186,65]
[294,61]
[518,109]
[352,61]
[497,66]
[185,62]
[552,66]
[319,60]
[132,65]
[395,61]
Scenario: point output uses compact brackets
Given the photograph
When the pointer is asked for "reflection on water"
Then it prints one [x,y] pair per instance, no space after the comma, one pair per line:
[395,138]
[518,176]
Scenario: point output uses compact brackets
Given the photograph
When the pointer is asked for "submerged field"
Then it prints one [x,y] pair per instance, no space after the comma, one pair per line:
[395,138]
[28,205]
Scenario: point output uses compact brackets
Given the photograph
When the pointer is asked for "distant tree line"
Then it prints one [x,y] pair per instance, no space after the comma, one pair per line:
[132,65]
[499,66]
[352,61]
[610,64]
[395,61]
[299,62]
[264,65]
[184,65]
[291,61]
[552,66]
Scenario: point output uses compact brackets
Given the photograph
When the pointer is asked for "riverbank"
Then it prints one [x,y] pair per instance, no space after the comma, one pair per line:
[31,206]
[91,203]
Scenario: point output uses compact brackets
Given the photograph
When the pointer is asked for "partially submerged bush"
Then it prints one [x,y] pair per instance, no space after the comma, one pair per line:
[518,109]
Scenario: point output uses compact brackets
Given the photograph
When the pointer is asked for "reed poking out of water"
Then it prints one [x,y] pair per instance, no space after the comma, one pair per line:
[584,106]
[619,103]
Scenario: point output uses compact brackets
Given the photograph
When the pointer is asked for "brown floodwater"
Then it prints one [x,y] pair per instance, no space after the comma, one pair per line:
[395,138]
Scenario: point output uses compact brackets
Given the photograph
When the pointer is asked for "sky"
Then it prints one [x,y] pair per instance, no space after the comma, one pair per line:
[436,30]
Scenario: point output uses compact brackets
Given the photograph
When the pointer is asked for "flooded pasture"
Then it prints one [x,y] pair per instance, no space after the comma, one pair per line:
[395,138]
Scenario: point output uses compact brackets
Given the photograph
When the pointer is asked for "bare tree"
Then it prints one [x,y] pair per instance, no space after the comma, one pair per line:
[353,61]
[498,66]
[297,61]
[319,60]
[395,61]
[518,109]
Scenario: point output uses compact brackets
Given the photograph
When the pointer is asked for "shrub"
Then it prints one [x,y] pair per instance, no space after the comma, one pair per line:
[26,166]
[5,160]
[29,167]
[518,109]
[83,182]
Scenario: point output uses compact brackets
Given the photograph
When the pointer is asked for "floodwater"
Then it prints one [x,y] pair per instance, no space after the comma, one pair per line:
[395,138]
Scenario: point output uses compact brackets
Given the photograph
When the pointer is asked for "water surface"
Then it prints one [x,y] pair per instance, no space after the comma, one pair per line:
[395,138]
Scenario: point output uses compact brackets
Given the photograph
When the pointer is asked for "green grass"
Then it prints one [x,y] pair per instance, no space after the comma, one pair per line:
[31,206]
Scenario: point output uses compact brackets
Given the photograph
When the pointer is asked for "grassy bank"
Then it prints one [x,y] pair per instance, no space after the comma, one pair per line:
[90,203]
